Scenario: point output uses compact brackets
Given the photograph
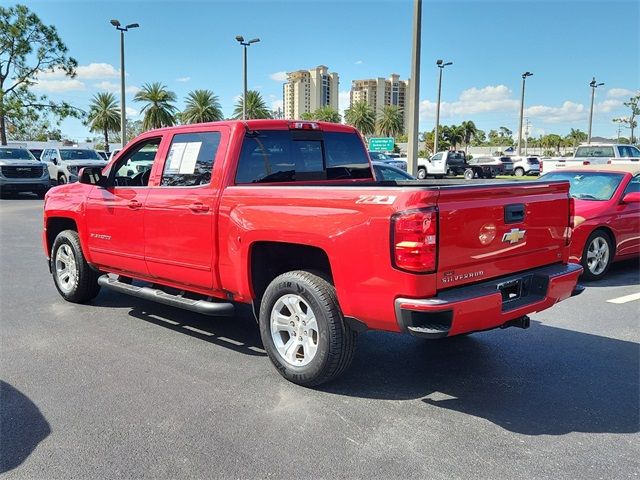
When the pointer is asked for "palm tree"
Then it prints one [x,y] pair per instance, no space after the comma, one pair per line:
[323,114]
[201,106]
[453,134]
[390,121]
[159,110]
[256,106]
[104,116]
[470,132]
[361,116]
[576,136]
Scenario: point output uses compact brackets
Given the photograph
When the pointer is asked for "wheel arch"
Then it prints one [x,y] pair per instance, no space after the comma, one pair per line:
[55,225]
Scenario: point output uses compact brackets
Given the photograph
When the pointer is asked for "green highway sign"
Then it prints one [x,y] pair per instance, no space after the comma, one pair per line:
[382,144]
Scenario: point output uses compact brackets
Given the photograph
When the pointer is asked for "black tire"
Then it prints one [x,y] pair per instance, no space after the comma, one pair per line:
[336,341]
[592,273]
[422,173]
[468,174]
[85,287]
[519,172]
[62,180]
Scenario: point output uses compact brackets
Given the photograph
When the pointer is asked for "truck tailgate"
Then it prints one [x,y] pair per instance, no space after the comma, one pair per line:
[491,230]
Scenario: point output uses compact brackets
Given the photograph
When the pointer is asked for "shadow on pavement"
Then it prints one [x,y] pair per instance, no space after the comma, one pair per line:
[22,427]
[238,333]
[621,274]
[544,381]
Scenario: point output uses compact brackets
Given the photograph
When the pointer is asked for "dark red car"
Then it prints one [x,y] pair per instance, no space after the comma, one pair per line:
[606,217]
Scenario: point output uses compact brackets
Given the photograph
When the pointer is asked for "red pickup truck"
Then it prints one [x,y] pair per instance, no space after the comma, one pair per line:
[286,216]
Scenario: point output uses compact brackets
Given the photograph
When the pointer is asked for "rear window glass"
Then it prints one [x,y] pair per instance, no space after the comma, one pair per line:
[289,156]
[15,154]
[80,154]
[594,152]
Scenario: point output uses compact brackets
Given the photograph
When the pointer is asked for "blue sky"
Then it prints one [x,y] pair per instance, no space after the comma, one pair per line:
[188,45]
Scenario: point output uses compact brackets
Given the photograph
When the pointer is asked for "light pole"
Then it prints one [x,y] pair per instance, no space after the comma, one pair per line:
[244,44]
[441,65]
[524,78]
[414,91]
[526,137]
[123,113]
[593,84]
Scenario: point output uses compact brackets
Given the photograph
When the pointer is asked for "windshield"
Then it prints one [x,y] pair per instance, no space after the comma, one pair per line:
[15,154]
[80,154]
[589,185]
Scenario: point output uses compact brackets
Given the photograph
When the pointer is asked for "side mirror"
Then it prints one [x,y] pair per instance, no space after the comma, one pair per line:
[631,197]
[92,176]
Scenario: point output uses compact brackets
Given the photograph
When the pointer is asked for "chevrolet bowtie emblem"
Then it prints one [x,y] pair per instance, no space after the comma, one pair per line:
[514,236]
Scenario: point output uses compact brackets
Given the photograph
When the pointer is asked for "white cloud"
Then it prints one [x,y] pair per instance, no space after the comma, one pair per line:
[277,104]
[358,62]
[132,112]
[279,76]
[115,87]
[55,86]
[569,111]
[620,92]
[183,79]
[472,101]
[92,71]
[607,106]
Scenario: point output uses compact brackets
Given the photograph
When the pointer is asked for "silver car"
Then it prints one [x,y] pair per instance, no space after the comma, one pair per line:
[21,172]
[64,163]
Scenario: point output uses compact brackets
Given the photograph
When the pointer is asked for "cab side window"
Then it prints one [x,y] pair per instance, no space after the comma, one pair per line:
[190,159]
[133,168]
[634,185]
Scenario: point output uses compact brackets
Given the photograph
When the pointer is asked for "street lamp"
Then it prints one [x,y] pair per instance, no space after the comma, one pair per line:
[123,113]
[244,44]
[524,77]
[593,84]
[441,64]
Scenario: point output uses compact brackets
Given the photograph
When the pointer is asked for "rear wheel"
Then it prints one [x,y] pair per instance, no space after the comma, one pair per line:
[422,173]
[75,280]
[518,172]
[468,174]
[303,330]
[597,255]
[62,180]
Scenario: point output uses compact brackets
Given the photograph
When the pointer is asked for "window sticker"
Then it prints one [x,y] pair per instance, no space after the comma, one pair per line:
[189,157]
[175,157]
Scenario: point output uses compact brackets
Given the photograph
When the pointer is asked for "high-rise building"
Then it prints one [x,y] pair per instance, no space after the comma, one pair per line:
[308,90]
[380,92]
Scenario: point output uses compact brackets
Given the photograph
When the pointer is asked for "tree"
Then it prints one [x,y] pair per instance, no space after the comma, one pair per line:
[158,110]
[390,121]
[479,138]
[576,136]
[104,116]
[201,106]
[631,121]
[323,114]
[29,48]
[454,134]
[470,131]
[256,106]
[361,116]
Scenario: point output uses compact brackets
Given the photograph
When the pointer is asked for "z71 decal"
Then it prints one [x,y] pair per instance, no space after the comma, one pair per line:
[377,199]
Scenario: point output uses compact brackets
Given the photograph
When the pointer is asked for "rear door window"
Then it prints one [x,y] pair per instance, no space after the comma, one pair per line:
[301,155]
[190,159]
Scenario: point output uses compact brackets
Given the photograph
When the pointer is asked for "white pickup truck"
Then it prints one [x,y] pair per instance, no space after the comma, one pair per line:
[441,164]
[592,154]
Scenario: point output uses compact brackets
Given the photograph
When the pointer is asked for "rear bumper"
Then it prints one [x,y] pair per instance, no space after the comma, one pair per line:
[482,306]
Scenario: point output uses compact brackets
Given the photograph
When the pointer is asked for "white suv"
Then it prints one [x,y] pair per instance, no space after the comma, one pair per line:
[526,166]
[64,163]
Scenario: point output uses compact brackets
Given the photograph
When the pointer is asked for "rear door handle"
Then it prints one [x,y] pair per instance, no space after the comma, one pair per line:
[199,207]
[134,204]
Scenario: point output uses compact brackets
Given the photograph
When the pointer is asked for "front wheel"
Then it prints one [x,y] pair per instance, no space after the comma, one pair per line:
[62,180]
[75,280]
[422,173]
[597,255]
[303,330]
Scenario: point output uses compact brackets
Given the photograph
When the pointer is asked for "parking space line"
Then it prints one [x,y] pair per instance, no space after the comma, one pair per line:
[625,299]
[197,330]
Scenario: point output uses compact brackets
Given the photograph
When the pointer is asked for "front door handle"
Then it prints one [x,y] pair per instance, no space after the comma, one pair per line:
[199,207]
[134,204]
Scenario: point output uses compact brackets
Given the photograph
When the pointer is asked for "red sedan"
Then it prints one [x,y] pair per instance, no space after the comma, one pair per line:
[607,215]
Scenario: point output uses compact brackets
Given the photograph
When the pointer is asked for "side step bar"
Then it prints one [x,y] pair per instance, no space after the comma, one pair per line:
[205,307]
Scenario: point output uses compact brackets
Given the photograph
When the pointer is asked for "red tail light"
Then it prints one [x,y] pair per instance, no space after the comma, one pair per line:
[541,165]
[414,240]
[572,219]
[586,162]
[609,161]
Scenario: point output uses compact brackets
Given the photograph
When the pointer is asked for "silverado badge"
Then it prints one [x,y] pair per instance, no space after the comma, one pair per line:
[514,236]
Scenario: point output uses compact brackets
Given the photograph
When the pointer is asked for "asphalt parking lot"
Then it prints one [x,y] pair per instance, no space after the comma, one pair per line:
[125,388]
